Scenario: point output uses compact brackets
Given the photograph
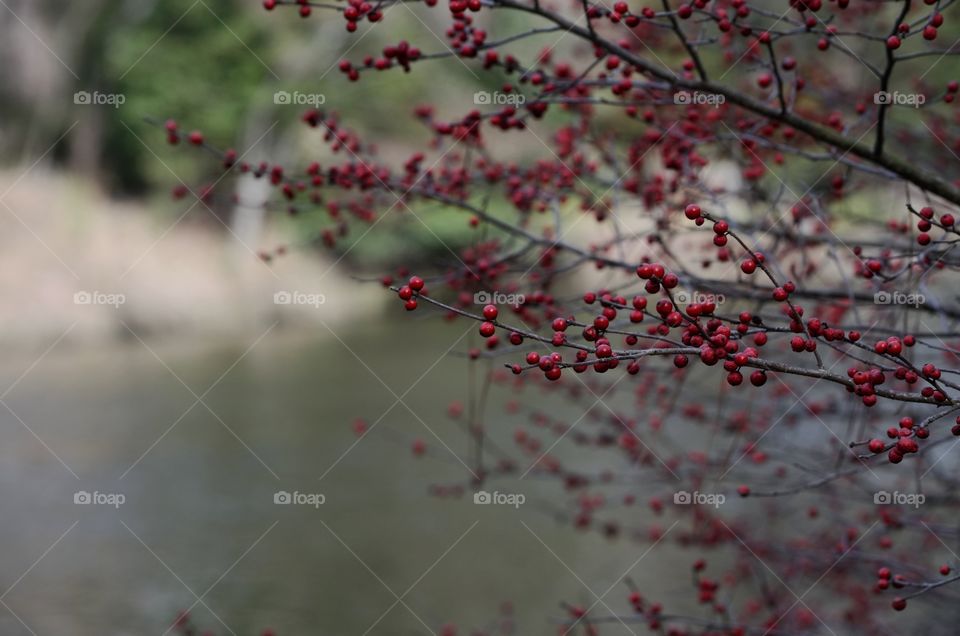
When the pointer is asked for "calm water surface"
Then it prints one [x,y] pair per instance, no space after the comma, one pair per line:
[199,478]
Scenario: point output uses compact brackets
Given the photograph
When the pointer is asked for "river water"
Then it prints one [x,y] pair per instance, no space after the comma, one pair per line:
[182,446]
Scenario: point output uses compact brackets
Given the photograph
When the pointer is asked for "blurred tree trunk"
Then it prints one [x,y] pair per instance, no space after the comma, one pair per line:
[247,219]
[86,145]
[92,22]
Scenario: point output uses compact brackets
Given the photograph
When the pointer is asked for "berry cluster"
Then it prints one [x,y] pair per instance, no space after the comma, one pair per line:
[722,197]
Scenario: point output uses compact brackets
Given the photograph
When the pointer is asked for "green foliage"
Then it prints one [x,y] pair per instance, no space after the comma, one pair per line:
[184,63]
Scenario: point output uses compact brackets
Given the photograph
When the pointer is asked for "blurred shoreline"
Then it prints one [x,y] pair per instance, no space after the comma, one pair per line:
[78,267]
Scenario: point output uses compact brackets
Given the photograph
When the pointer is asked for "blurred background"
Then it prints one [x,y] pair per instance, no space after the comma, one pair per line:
[144,355]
